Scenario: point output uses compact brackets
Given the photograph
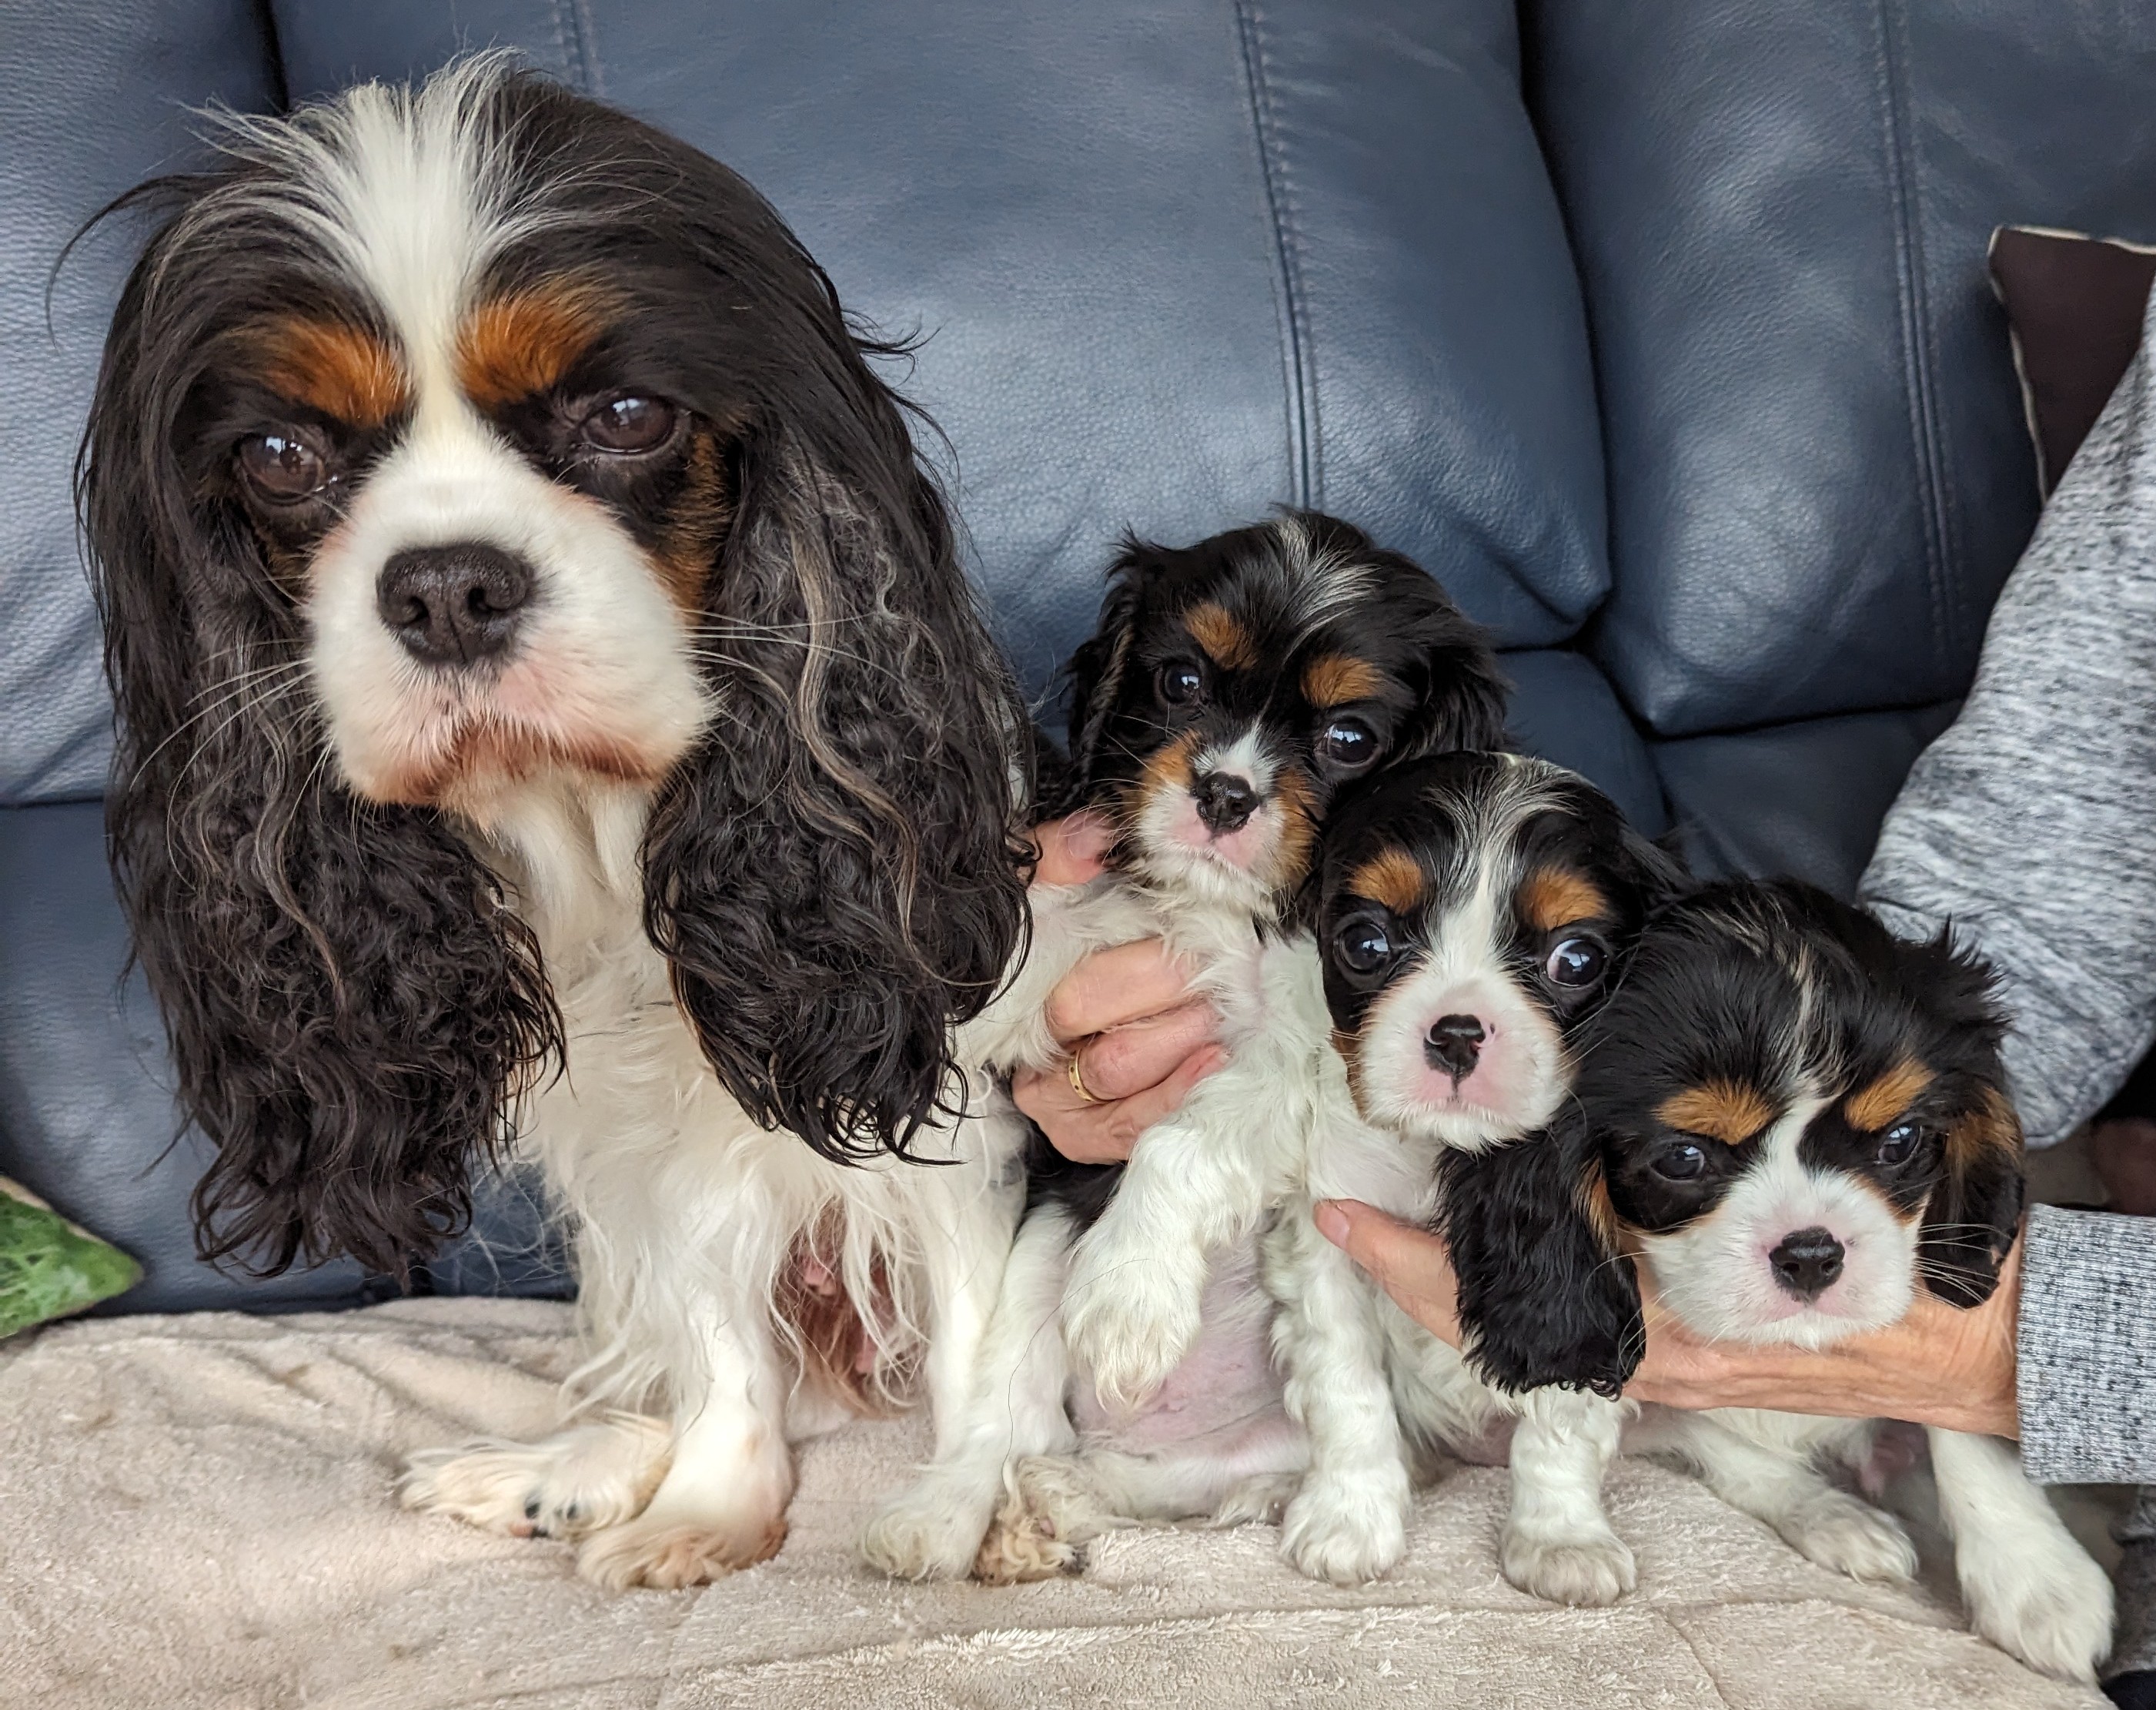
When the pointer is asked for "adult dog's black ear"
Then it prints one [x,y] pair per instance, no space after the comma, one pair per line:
[1974,1213]
[834,873]
[353,1010]
[1098,670]
[1545,1297]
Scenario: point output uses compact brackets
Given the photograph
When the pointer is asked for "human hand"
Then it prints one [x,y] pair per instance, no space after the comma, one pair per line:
[1127,1018]
[1939,1365]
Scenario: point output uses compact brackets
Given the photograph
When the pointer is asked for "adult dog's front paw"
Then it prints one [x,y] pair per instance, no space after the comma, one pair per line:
[1586,1570]
[2047,1603]
[1346,1531]
[1127,1321]
[928,1532]
[666,1553]
[565,1486]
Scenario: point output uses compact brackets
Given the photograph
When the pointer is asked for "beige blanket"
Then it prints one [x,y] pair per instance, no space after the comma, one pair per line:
[196,1512]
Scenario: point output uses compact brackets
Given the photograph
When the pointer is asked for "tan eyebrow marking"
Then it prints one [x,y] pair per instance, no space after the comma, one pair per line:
[1880,1104]
[1726,1111]
[346,372]
[1392,877]
[1993,1128]
[1551,897]
[1222,635]
[519,346]
[1334,678]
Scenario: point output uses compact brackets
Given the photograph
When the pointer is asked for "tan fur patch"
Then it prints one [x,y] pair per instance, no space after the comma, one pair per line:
[1601,1215]
[838,1353]
[1335,678]
[1390,876]
[696,524]
[1993,1128]
[521,346]
[1718,1110]
[1166,769]
[1222,635]
[1297,809]
[346,372]
[1880,1103]
[1551,897]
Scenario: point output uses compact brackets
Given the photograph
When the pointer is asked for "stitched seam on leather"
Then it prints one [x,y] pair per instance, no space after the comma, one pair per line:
[1918,356]
[587,43]
[569,44]
[1301,399]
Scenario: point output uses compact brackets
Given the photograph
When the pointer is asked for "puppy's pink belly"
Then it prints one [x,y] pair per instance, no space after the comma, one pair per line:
[1224,1400]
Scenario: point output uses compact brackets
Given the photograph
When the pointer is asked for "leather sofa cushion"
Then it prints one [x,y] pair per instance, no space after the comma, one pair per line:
[1817,473]
[95,99]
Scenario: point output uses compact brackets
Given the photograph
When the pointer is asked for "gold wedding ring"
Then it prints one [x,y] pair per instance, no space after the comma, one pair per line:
[1078,1082]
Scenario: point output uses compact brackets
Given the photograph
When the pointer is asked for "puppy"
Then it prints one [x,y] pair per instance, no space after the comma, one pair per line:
[1797,1120]
[553,717]
[1230,689]
[1475,911]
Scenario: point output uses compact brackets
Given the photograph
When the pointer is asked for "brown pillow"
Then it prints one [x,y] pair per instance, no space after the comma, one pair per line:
[2075,304]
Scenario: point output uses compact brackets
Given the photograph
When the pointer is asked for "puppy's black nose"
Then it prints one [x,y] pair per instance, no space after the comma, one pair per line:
[1807,1262]
[1224,802]
[1453,1044]
[454,604]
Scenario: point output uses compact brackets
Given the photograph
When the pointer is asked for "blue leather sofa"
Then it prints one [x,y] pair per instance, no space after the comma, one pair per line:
[1659,331]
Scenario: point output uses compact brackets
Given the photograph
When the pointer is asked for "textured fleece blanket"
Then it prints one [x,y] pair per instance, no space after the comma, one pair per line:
[197,1512]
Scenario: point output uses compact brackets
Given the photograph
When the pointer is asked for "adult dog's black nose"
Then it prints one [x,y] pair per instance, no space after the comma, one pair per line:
[1453,1043]
[1224,802]
[1807,1262]
[454,604]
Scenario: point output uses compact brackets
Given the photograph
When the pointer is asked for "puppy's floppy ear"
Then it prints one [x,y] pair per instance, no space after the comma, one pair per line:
[353,1010]
[832,873]
[1974,1213]
[1545,1297]
[1098,670]
[1464,699]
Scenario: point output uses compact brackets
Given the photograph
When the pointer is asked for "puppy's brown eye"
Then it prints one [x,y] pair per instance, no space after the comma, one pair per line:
[1347,744]
[629,426]
[1576,964]
[281,467]
[1898,1144]
[1364,945]
[1680,1161]
[1181,683]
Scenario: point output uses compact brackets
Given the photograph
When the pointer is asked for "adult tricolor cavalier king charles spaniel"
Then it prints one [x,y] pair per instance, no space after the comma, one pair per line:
[551,709]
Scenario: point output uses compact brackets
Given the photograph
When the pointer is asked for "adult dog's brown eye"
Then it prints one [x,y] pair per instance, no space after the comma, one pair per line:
[281,467]
[1180,683]
[629,426]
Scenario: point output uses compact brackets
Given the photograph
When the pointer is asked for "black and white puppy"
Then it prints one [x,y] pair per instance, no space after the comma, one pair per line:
[1474,912]
[1230,689]
[551,711]
[1797,1122]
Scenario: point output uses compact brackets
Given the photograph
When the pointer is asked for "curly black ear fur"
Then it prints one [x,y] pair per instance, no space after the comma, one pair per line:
[1545,1298]
[833,874]
[353,1010]
[1094,676]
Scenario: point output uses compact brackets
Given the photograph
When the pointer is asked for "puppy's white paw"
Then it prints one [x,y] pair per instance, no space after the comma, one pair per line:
[1128,1325]
[1587,1569]
[928,1531]
[565,1486]
[1838,1532]
[1346,1531]
[1260,1500]
[667,1554]
[1049,1511]
[2050,1605]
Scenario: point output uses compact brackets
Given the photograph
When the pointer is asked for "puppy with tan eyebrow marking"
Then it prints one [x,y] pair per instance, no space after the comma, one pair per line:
[1794,1120]
[1231,691]
[1475,910]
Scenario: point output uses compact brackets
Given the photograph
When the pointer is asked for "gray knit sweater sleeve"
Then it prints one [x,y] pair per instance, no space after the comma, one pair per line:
[2086,1362]
[2031,823]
